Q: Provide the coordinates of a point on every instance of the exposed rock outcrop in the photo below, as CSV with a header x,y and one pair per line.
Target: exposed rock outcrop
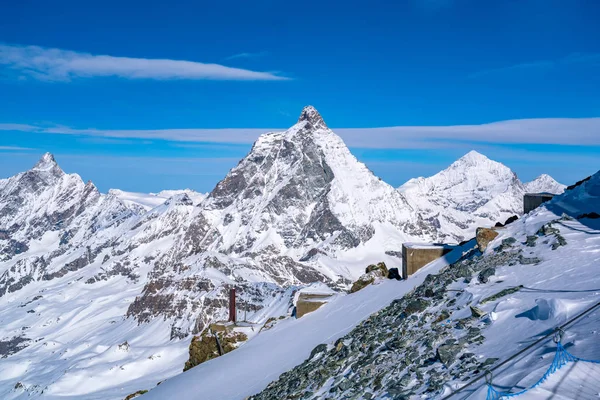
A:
x,y
204,347
484,236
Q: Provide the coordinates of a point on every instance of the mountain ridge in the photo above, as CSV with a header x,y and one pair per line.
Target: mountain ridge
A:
x,y
298,208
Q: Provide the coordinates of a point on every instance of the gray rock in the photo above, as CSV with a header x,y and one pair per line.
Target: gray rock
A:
x,y
484,275
447,353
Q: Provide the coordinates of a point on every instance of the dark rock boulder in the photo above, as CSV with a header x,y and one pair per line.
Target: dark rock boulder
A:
x,y
393,273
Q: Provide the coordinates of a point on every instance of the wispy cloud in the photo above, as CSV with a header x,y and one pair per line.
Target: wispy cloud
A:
x,y
15,148
58,65
592,59
246,55
557,131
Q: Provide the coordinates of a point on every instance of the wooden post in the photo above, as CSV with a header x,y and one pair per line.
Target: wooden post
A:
x,y
232,311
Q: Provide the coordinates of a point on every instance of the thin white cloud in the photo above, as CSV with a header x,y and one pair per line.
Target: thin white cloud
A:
x,y
592,59
18,127
560,131
15,148
567,131
64,65
246,55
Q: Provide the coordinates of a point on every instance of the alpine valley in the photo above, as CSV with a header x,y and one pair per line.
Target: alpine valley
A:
x,y
100,294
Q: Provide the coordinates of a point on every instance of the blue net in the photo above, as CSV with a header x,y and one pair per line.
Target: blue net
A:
x,y
561,358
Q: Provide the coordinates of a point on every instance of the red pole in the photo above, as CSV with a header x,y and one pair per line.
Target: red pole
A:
x,y
232,316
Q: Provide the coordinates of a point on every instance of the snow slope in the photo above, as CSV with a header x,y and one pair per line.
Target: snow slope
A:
x,y
271,353
539,272
562,286
515,320
578,380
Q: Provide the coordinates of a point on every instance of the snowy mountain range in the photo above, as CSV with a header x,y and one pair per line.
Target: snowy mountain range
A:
x,y
152,269
443,328
473,191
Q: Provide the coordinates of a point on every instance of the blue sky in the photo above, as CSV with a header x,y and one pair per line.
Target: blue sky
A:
x,y
133,94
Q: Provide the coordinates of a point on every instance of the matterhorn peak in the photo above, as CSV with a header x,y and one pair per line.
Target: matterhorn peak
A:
x,y
47,163
311,115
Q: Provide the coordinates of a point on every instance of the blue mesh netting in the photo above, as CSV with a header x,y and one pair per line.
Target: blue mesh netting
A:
x,y
561,357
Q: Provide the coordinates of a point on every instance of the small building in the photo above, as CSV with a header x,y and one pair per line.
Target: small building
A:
x,y
531,201
416,255
309,302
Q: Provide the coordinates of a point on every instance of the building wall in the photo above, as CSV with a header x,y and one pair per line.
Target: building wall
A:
x,y
308,302
413,259
531,201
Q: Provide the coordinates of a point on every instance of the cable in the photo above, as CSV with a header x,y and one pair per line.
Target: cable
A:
x,y
562,327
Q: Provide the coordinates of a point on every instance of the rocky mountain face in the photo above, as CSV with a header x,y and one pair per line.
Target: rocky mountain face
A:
x,y
302,189
296,202
474,191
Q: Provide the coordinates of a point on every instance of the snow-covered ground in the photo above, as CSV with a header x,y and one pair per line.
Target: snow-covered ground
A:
x,y
254,365
577,380
559,274
564,284
560,287
83,345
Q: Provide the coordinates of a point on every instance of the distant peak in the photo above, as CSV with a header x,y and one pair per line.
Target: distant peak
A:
x,y
545,177
312,116
474,156
474,159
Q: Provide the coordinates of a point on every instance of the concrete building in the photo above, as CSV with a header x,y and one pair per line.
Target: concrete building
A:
x,y
531,201
309,302
416,255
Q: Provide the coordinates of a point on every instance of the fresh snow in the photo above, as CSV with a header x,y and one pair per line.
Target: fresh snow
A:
x,y
564,284
254,365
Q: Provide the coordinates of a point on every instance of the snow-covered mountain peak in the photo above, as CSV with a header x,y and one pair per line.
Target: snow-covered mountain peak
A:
x,y
544,183
46,160
478,160
47,163
473,172
311,115
473,191
302,189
